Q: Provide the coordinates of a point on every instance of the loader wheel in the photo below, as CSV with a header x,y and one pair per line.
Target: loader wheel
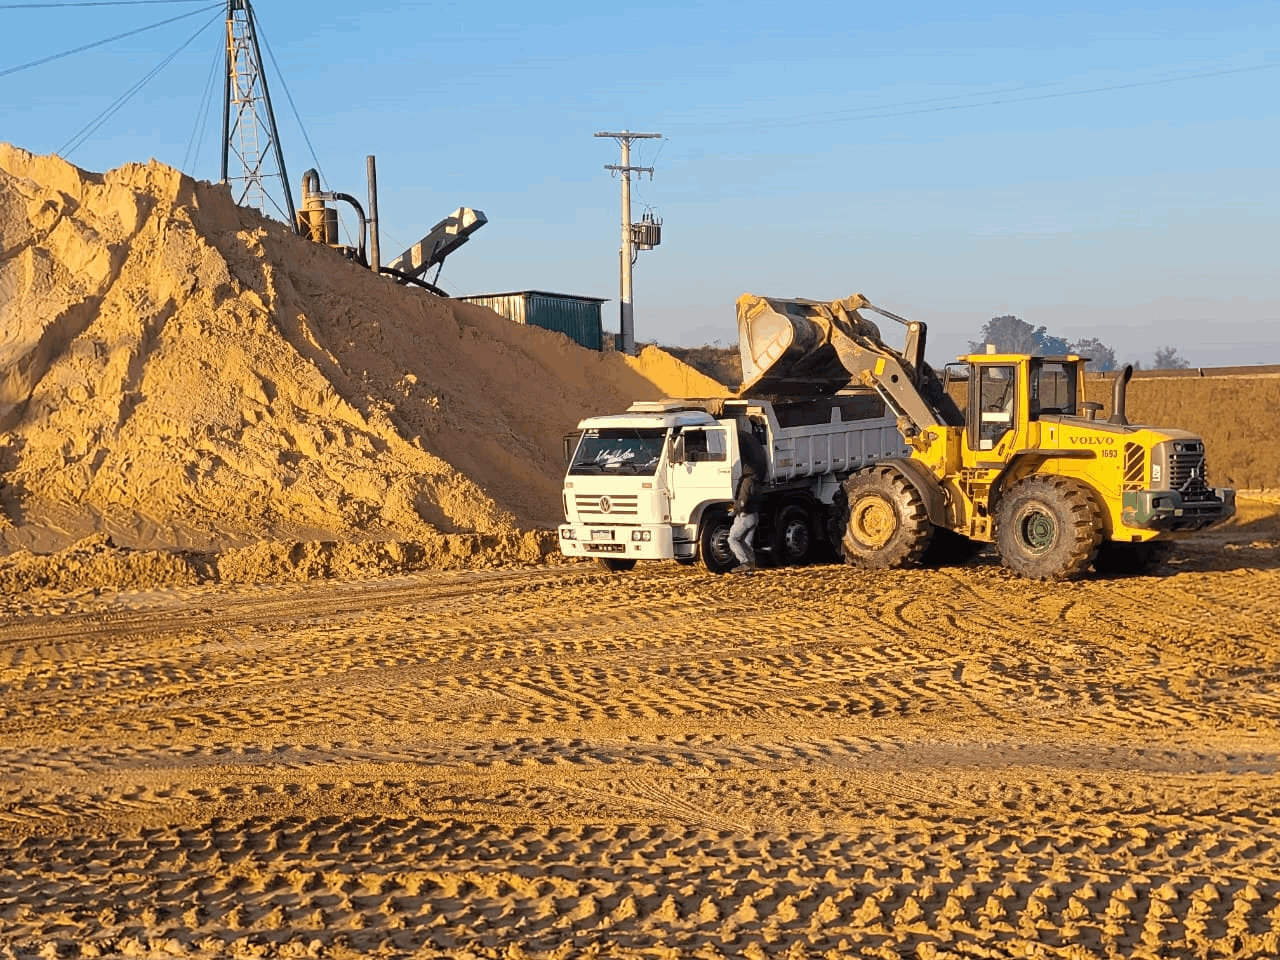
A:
x,y
1048,528
887,525
616,564
793,537
713,542
1132,558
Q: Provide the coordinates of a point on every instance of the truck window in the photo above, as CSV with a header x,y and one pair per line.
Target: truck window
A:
x,y
702,445
1053,388
619,450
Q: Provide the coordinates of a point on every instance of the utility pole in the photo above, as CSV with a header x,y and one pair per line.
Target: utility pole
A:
x,y
649,238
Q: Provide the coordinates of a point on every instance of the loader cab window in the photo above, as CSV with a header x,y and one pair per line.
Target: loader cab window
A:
x,y
1053,388
991,415
955,381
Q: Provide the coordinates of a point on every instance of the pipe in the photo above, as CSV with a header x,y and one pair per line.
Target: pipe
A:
x,y
302,223
364,222
1118,391
375,261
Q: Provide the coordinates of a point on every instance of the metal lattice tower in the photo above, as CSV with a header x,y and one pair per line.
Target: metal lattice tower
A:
x,y
248,122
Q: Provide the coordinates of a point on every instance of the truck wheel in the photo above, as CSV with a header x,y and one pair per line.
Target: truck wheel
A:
x,y
1132,558
1048,528
887,525
713,542
616,564
793,536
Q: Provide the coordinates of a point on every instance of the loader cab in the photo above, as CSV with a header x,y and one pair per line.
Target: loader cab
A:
x,y
1001,393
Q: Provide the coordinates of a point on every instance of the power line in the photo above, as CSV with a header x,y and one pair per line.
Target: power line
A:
x,y
99,43
202,116
864,113
96,123
293,106
91,3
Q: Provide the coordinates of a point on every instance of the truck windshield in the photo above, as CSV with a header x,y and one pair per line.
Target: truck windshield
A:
x,y
619,450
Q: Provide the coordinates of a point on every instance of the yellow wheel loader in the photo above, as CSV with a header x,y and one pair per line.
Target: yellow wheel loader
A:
x,y
1004,449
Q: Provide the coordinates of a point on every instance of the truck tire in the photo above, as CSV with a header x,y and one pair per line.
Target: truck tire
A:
x,y
1132,558
616,564
886,524
1048,528
793,537
713,542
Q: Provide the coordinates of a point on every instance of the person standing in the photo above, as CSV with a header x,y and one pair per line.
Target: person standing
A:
x,y
746,517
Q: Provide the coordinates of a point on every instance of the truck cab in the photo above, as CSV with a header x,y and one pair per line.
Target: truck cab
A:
x,y
639,483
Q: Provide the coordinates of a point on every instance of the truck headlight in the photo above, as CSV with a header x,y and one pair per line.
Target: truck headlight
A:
x,y
638,535
569,533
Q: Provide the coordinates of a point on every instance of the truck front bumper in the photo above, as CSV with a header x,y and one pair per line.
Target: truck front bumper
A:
x,y
646,542
1167,510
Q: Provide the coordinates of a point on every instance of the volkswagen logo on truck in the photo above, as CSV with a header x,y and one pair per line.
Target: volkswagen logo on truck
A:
x,y
605,505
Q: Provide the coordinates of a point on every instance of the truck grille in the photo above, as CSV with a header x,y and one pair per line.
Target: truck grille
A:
x,y
591,506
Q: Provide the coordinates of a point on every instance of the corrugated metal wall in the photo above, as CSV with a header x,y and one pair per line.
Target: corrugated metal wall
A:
x,y
577,318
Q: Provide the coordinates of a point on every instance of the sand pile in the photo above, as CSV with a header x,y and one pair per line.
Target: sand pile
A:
x,y
176,371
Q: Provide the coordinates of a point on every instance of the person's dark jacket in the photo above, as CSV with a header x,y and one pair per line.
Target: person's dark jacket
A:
x,y
748,498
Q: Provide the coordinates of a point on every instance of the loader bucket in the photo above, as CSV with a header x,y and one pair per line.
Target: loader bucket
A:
x,y
786,345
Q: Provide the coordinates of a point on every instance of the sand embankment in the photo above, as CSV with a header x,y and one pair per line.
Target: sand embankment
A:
x,y
1234,413
180,372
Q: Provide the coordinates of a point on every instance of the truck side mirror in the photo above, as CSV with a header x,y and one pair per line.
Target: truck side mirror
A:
x,y
570,445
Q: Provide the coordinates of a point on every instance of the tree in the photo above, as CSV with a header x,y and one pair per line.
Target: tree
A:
x,y
1101,357
1008,334
1167,359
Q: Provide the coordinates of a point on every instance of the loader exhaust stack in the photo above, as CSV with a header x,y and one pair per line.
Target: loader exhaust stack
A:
x,y
1119,390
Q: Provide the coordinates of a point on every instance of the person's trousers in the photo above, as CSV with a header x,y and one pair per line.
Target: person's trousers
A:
x,y
741,534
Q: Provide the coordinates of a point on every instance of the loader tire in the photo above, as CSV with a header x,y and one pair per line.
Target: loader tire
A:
x,y
886,524
1048,528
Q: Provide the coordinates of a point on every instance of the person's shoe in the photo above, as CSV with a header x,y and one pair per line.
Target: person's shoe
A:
x,y
746,569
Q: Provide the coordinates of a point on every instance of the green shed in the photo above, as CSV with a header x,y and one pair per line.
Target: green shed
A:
x,y
576,317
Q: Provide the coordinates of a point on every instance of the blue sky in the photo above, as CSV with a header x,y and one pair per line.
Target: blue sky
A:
x,y
1104,170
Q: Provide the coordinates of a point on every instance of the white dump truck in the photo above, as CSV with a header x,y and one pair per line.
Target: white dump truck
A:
x,y
656,482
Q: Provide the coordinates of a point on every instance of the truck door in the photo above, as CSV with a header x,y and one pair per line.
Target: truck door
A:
x,y
701,470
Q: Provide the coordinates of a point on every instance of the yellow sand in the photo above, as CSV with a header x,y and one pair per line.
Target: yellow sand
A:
x,y
179,371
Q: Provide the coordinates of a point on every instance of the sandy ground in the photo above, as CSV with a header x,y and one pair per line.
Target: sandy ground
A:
x,y
559,762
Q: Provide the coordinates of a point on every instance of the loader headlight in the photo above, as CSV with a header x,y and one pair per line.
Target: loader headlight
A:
x,y
639,535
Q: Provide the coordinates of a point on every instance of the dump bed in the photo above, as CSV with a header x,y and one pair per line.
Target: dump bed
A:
x,y
810,437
